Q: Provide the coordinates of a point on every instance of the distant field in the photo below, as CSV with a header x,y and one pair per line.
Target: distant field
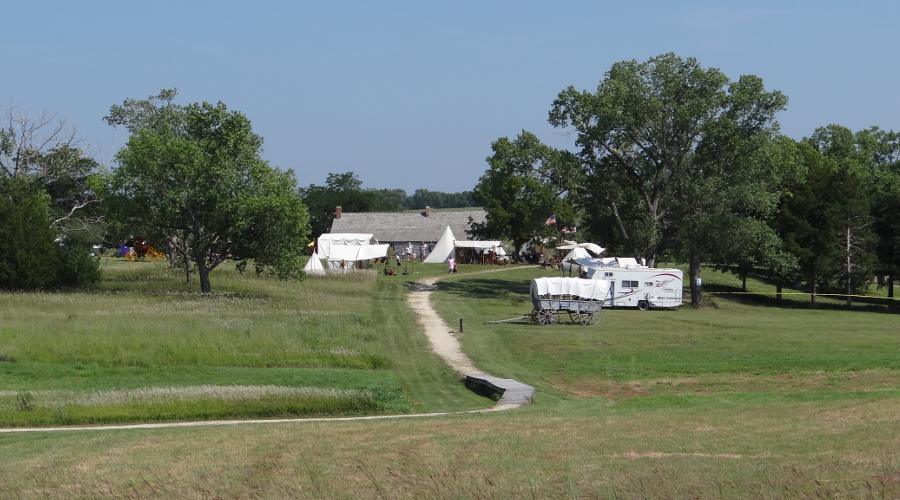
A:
x,y
257,347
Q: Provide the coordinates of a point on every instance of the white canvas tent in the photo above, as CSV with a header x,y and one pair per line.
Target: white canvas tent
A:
x,y
443,248
591,247
354,253
448,243
328,241
314,266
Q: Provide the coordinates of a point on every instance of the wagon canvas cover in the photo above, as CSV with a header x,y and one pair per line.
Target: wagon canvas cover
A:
x,y
584,289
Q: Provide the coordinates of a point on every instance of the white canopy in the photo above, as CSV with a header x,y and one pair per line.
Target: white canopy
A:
x,y
483,245
443,248
314,265
585,289
577,253
328,240
352,253
591,247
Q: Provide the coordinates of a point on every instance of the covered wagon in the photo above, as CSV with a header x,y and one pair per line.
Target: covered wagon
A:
x,y
581,299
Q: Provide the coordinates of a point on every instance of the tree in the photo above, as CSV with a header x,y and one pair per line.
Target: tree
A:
x,y
194,174
526,182
670,144
32,255
43,150
340,189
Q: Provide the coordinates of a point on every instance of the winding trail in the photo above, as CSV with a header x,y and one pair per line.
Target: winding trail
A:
x,y
443,342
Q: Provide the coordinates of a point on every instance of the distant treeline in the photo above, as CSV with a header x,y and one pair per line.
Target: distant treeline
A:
x,y
346,190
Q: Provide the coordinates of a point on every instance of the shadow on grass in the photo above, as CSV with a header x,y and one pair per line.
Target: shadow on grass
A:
x,y
862,304
485,288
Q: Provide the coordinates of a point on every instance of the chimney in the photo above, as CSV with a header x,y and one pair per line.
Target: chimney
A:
x,y
427,210
337,212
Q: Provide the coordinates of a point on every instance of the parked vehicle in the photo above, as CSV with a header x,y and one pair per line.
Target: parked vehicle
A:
x,y
640,287
580,299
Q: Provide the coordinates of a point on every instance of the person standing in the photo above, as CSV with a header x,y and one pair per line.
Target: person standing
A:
x,y
451,264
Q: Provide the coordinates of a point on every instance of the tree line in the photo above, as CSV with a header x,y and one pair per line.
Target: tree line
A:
x,y
676,161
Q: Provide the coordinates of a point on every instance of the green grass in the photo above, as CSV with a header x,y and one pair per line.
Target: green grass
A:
x,y
736,400
143,327
630,351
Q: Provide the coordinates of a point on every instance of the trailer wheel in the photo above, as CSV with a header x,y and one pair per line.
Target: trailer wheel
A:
x,y
588,319
643,305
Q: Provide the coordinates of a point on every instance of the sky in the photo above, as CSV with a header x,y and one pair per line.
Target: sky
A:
x,y
411,94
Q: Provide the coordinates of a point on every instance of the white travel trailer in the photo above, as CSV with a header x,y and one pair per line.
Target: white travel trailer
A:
x,y
640,287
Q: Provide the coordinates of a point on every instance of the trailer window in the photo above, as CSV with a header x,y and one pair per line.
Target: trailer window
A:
x,y
648,283
629,284
607,275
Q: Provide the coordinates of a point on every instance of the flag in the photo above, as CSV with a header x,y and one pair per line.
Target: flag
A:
x,y
551,220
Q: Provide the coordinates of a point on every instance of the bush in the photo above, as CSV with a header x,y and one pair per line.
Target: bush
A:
x,y
32,255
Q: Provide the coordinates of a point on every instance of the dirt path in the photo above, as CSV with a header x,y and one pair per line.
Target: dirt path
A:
x,y
445,344
442,340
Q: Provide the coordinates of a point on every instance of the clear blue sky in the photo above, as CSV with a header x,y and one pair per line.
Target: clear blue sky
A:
x,y
410,94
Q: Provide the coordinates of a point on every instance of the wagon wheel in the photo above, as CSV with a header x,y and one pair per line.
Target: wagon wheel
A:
x,y
575,317
546,317
588,318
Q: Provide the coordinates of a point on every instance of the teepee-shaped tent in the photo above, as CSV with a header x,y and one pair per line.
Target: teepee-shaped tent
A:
x,y
443,248
314,265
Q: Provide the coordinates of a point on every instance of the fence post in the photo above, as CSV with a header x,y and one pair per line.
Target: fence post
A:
x,y
460,325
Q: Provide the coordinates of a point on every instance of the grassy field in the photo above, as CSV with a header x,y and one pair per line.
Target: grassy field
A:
x,y
737,399
144,346
728,346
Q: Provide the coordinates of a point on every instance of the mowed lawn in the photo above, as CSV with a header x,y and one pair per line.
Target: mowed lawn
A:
x,y
144,346
732,401
728,347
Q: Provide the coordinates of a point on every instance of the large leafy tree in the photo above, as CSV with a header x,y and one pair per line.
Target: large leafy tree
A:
x,y
194,174
669,145
526,182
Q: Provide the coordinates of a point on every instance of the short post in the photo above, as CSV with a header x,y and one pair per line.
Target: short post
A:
x,y
460,325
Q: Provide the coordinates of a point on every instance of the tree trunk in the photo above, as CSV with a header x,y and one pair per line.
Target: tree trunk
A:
x,y
778,292
743,282
849,267
812,296
696,297
187,268
890,285
203,273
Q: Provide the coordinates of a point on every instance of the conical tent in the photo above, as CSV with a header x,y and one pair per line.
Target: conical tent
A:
x,y
314,265
443,248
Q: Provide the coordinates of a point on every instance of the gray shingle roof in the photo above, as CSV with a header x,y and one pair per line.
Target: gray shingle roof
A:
x,y
408,226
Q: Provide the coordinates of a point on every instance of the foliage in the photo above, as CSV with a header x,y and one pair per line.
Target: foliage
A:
x,y
672,147
43,150
193,175
422,198
526,182
32,255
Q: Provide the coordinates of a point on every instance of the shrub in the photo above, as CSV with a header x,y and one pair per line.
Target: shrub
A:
x,y
32,255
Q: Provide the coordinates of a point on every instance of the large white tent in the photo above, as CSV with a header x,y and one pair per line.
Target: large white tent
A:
x,y
353,253
328,241
314,265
